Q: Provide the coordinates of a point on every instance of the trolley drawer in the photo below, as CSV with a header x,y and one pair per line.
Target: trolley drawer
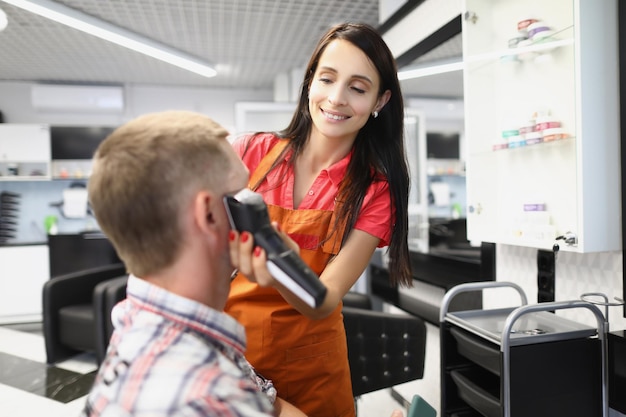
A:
x,y
477,350
479,389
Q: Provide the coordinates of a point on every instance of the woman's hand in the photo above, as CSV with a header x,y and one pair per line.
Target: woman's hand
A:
x,y
241,246
251,260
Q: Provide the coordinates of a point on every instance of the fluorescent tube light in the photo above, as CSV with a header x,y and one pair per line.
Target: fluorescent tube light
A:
x,y
426,70
3,20
120,36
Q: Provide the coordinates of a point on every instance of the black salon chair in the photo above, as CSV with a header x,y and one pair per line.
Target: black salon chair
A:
x,y
77,310
384,349
105,296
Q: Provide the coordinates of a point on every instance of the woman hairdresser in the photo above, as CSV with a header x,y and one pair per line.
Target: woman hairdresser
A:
x,y
336,182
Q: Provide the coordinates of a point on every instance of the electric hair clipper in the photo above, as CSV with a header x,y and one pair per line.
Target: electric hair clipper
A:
x,y
248,212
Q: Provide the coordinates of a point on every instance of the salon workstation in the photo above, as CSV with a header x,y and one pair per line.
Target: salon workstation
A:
x,y
512,132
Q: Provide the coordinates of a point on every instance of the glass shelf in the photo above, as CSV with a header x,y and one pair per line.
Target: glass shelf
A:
x,y
559,39
520,146
533,147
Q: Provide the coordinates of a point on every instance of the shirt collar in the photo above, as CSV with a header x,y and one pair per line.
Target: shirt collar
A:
x,y
336,172
204,320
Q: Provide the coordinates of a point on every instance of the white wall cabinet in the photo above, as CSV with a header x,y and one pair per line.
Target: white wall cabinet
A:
x,y
24,271
542,125
25,152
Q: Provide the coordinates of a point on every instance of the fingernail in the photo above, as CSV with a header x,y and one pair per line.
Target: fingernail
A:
x,y
231,235
245,236
257,251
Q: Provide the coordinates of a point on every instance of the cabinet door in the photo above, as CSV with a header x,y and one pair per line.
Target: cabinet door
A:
x,y
23,271
25,143
541,111
24,151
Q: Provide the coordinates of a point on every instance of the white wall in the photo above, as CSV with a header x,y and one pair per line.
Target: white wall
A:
x,y
219,104
575,274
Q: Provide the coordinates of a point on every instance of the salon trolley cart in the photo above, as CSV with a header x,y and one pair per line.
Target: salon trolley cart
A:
x,y
522,361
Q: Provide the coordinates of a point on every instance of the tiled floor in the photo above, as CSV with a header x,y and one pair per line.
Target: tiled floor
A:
x,y
29,387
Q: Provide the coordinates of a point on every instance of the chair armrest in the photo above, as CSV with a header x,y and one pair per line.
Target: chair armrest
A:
x,y
69,289
105,296
384,349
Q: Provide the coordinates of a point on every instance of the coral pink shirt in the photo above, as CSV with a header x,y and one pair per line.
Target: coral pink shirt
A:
x,y
375,217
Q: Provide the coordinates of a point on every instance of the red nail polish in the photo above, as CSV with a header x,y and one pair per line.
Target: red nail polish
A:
x,y
231,235
245,236
257,251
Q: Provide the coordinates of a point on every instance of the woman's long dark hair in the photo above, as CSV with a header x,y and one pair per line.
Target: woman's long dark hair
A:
x,y
378,148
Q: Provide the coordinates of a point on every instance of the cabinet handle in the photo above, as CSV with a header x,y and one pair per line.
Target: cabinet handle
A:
x,y
475,209
570,239
470,17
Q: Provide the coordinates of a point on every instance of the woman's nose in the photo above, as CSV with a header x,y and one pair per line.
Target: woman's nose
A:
x,y
337,97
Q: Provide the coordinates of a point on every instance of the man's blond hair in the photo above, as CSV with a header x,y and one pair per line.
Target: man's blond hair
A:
x,y
143,175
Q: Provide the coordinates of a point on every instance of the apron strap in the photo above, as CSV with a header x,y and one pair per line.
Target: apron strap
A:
x,y
266,163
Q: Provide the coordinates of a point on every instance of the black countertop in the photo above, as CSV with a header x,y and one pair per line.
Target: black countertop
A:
x,y
446,268
442,267
469,254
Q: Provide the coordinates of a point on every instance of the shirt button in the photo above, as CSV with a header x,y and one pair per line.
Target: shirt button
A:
x,y
311,192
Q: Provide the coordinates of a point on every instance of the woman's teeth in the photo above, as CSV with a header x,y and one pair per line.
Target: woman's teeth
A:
x,y
334,116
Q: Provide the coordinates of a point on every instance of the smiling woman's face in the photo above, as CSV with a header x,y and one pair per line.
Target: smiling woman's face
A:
x,y
343,92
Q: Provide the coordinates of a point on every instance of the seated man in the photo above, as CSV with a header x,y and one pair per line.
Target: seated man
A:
x,y
156,191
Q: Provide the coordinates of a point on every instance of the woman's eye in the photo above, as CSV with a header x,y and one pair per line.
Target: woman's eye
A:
x,y
325,80
359,90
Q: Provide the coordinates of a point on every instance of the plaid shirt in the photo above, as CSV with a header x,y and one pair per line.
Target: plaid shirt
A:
x,y
171,356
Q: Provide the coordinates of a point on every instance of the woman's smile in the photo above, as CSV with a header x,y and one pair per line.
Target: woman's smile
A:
x,y
334,116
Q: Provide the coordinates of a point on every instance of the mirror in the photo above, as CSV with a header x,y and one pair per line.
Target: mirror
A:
x,y
432,84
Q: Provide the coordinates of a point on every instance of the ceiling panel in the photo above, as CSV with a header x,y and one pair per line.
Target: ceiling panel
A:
x,y
248,41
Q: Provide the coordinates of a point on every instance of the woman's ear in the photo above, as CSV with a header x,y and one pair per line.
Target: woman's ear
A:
x,y
382,100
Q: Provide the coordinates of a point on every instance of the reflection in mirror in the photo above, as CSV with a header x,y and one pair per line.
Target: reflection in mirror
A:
x,y
433,86
437,199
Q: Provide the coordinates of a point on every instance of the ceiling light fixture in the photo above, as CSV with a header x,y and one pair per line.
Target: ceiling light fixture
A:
x,y
432,69
3,20
120,36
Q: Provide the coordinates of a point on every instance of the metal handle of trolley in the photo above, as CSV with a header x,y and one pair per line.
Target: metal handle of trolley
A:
x,y
602,326
476,286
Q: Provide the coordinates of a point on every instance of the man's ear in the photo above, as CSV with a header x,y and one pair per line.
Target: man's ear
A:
x,y
203,211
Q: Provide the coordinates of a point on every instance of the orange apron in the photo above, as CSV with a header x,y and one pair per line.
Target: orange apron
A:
x,y
306,359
